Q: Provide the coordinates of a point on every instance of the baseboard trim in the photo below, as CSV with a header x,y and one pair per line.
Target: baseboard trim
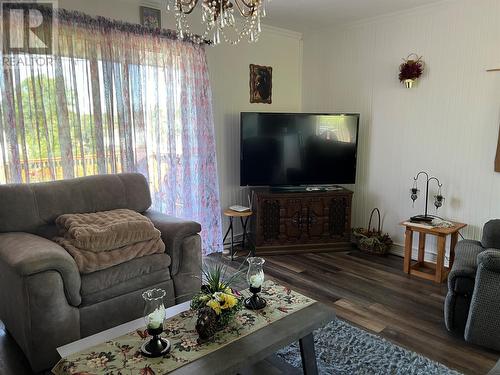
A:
x,y
430,256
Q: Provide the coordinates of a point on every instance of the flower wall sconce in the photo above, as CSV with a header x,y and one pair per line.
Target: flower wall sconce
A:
x,y
411,69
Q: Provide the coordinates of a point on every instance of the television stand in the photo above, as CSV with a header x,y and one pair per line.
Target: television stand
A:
x,y
288,221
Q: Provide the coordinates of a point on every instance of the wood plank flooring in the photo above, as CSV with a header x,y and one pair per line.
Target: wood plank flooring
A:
x,y
375,294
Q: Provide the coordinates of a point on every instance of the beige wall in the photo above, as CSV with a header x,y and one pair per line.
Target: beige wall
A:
x,y
229,69
447,125
229,72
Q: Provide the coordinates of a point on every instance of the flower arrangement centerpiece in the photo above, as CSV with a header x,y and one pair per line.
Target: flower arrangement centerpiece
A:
x,y
217,303
411,69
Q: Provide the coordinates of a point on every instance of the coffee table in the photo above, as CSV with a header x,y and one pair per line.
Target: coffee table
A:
x,y
243,352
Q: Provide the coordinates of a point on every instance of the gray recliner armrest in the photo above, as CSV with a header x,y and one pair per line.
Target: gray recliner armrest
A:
x,y
173,231
26,254
482,324
490,260
463,272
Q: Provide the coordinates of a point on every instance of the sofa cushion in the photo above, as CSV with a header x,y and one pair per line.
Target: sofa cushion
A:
x,y
135,274
463,273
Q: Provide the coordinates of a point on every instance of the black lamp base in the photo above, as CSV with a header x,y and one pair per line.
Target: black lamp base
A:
x,y
421,219
156,347
255,302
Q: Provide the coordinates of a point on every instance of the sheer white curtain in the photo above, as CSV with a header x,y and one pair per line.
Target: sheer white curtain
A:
x,y
115,97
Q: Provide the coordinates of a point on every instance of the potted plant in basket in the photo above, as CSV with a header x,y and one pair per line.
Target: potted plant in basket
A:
x,y
372,240
217,302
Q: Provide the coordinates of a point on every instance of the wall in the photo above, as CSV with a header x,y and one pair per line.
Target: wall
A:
x,y
229,69
229,72
447,125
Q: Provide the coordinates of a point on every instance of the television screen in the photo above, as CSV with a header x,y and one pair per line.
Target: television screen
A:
x,y
279,149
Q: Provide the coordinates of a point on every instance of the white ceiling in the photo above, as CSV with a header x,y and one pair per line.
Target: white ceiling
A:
x,y
302,15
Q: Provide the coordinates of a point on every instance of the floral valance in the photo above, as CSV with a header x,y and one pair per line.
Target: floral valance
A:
x,y
79,19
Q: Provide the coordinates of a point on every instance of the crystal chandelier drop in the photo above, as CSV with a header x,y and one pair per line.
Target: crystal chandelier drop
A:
x,y
219,19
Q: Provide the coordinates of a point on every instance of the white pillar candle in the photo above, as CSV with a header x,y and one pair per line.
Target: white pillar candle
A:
x,y
257,280
156,318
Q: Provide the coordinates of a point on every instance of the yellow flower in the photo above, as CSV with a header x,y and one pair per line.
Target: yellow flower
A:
x,y
214,305
227,301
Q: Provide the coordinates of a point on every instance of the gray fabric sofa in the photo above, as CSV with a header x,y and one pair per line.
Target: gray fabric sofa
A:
x,y
44,301
472,306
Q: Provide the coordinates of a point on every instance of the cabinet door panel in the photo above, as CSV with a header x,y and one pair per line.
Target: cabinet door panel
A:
x,y
338,217
293,219
316,219
270,219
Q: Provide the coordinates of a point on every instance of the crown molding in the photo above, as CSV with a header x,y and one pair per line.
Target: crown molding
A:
x,y
282,32
384,17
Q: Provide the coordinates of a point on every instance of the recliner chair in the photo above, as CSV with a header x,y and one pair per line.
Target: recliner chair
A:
x,y
472,306
44,301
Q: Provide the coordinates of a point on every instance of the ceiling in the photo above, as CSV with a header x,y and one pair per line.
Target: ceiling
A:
x,y
303,15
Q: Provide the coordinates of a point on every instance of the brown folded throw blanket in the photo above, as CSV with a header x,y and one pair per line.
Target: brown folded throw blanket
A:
x,y
104,239
89,261
107,230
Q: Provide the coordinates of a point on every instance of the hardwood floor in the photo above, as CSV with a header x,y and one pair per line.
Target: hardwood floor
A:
x,y
374,294
370,292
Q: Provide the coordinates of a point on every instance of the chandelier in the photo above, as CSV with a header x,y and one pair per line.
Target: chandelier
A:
x,y
219,19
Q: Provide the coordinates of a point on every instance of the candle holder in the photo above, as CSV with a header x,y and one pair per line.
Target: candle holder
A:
x,y
438,199
255,278
154,315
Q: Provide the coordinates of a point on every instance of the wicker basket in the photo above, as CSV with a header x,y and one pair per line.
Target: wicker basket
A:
x,y
372,240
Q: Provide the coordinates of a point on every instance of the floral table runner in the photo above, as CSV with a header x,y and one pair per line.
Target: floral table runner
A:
x,y
122,355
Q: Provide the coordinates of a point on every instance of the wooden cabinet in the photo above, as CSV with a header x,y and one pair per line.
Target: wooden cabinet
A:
x,y
301,221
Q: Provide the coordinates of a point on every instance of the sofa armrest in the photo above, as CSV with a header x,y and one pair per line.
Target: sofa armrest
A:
x,y
463,272
482,324
173,232
25,255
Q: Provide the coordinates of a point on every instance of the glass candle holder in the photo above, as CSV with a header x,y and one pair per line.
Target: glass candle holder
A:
x,y
255,278
438,201
154,315
414,194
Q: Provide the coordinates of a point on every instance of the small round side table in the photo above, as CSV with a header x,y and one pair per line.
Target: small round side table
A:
x,y
244,217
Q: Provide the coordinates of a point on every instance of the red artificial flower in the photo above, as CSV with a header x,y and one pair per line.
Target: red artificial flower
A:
x,y
411,69
147,371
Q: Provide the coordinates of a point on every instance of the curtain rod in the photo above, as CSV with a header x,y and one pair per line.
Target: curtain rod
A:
x,y
85,20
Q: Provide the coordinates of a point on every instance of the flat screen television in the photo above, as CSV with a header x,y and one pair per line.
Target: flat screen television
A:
x,y
285,149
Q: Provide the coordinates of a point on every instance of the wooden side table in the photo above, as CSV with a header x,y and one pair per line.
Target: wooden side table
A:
x,y
244,217
427,270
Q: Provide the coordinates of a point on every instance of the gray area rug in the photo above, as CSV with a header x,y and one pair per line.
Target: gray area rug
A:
x,y
342,349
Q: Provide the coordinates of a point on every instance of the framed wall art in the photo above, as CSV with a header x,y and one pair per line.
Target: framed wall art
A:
x,y
261,84
150,17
